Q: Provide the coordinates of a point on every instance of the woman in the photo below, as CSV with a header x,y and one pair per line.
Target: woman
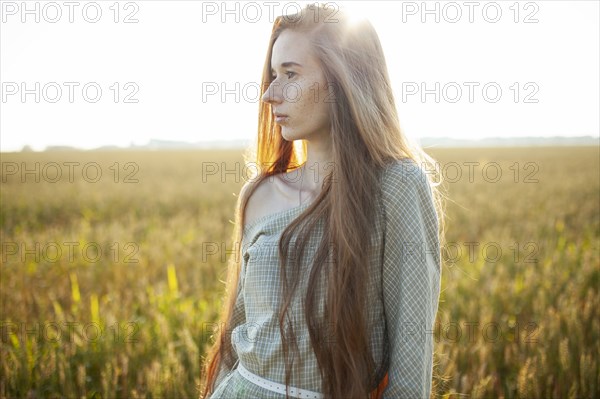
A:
x,y
336,286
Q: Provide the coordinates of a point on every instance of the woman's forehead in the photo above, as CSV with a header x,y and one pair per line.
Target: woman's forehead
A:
x,y
291,47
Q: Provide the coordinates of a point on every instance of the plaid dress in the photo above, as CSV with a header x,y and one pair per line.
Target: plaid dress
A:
x,y
403,291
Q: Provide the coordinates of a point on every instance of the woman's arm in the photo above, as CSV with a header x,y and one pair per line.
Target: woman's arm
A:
x,y
411,279
238,316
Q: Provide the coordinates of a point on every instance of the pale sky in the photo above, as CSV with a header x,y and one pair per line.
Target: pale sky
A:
x,y
177,49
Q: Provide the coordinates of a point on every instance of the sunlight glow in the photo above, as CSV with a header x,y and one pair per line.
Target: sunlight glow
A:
x,y
183,95
356,12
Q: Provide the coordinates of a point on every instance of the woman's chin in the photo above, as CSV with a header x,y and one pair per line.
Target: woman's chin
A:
x,y
287,135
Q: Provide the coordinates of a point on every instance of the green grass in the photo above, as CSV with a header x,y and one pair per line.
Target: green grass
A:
x,y
157,284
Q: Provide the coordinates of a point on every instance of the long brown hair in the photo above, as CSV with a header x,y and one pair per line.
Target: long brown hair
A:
x,y
365,137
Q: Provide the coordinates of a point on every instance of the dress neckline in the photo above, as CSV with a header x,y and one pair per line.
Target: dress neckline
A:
x,y
261,219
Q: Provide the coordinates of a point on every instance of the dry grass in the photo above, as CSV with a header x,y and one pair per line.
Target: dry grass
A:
x,y
529,321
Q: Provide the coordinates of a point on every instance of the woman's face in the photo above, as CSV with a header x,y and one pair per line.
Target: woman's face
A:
x,y
299,90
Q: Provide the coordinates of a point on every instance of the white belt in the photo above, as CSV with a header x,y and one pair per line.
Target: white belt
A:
x,y
276,387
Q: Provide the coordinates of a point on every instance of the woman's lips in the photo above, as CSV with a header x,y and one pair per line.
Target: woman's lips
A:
x,y
281,118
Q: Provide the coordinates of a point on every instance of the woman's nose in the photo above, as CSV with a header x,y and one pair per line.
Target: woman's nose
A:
x,y
272,94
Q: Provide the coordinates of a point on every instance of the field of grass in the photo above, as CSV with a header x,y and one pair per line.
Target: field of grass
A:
x,y
113,263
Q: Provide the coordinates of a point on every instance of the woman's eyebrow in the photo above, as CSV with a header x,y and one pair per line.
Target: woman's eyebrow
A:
x,y
288,64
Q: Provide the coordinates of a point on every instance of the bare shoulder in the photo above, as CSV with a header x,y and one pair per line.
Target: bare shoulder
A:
x,y
267,196
251,194
246,189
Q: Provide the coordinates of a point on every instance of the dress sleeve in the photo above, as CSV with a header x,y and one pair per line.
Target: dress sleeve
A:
x,y
238,316
411,279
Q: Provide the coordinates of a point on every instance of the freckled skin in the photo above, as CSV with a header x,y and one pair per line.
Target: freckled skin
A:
x,y
302,95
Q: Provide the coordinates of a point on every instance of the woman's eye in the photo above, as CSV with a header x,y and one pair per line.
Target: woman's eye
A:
x,y
287,73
